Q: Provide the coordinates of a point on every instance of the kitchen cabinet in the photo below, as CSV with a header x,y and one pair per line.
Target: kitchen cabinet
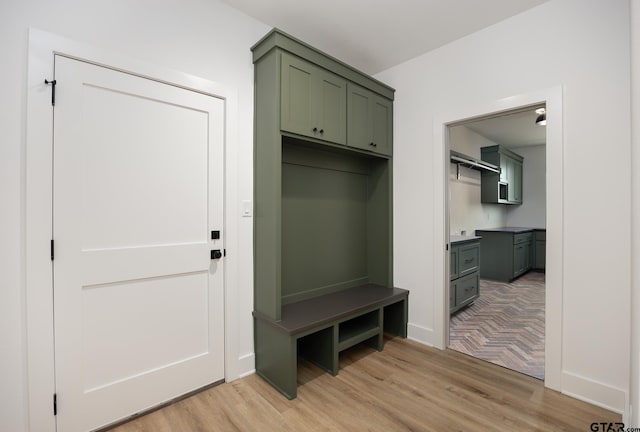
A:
x,y
540,250
522,253
504,187
313,101
464,285
369,120
323,268
507,253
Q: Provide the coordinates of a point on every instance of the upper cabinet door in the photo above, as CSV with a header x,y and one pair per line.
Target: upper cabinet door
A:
x,y
332,107
517,182
297,108
369,120
359,117
382,125
313,101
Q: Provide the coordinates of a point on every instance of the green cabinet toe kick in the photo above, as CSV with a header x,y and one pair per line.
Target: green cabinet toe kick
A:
x,y
319,329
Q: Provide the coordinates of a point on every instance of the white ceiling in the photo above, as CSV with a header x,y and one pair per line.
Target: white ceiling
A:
x,y
374,35
513,130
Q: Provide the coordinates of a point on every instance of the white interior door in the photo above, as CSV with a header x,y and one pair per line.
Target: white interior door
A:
x,y
138,188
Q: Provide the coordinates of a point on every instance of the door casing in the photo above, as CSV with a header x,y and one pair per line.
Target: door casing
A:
x,y
39,199
552,98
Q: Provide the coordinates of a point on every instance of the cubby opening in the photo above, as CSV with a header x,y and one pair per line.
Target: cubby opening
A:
x,y
394,318
317,348
336,220
358,329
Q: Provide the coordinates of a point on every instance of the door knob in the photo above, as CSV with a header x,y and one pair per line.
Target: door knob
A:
x,y
216,254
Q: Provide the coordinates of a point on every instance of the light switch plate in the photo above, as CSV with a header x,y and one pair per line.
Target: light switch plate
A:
x,y
247,208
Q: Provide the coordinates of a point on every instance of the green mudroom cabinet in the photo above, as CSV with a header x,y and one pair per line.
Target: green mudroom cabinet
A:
x,y
464,265
504,187
323,211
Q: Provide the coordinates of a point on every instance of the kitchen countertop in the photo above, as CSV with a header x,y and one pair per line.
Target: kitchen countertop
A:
x,y
514,230
460,239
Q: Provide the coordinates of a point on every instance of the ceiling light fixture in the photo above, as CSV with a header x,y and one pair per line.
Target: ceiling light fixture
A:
x,y
541,120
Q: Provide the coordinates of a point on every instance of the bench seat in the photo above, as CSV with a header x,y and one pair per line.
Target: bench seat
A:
x,y
319,328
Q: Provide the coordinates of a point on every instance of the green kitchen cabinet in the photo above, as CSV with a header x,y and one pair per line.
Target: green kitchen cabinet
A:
x,y
516,180
504,187
540,250
313,102
323,246
507,253
370,120
522,254
464,261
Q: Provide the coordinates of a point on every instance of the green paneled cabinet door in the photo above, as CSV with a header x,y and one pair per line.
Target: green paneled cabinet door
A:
x,y
521,258
510,176
464,274
369,120
313,101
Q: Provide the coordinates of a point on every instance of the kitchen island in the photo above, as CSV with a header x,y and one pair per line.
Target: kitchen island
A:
x,y
510,252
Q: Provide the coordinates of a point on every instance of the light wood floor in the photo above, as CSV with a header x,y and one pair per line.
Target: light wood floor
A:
x,y
406,387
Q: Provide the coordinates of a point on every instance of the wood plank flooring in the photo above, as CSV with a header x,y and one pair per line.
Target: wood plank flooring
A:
x,y
406,387
505,325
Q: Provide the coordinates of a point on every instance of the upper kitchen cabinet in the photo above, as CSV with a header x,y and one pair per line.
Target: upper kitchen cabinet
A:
x,y
314,101
504,187
370,120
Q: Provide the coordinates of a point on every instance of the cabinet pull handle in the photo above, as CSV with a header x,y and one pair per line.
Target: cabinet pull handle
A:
x,y
468,260
315,129
321,131
373,144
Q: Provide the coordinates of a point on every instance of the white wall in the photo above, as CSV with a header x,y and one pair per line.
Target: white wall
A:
x,y
583,47
532,212
466,211
204,38
635,185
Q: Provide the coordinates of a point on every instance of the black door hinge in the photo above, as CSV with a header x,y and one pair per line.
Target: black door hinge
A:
x,y
447,248
53,90
51,249
55,404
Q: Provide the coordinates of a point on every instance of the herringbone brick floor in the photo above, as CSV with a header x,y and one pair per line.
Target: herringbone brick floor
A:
x,y
505,325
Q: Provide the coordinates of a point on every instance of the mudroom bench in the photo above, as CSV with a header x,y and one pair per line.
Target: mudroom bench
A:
x,y
318,329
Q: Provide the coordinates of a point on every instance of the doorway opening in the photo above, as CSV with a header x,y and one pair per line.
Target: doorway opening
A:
x,y
497,231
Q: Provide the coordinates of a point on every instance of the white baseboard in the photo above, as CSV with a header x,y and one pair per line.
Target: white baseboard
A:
x,y
245,365
594,392
420,334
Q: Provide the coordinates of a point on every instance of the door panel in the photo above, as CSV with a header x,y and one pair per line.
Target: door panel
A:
x,y
172,329
138,186
124,209
298,108
382,125
359,117
333,102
